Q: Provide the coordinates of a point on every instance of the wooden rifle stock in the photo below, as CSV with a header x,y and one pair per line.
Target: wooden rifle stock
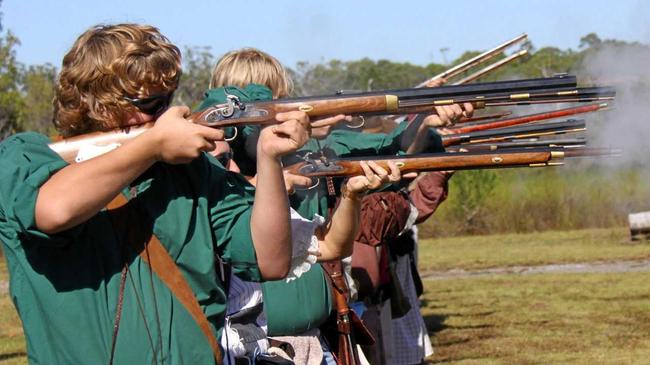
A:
x,y
265,112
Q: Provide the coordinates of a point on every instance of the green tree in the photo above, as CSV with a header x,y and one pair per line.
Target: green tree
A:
x,y
38,93
470,190
197,68
591,40
11,101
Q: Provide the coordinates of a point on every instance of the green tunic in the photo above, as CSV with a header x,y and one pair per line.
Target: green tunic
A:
x,y
65,286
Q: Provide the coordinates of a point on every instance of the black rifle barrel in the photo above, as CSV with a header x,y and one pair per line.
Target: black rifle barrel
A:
x,y
476,89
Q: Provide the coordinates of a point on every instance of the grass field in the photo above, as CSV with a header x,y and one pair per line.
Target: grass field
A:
x,y
537,319
509,319
540,319
12,342
479,252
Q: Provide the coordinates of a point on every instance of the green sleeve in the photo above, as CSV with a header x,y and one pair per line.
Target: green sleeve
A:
x,y
26,163
230,215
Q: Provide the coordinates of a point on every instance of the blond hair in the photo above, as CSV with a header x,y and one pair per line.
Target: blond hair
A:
x,y
251,66
107,63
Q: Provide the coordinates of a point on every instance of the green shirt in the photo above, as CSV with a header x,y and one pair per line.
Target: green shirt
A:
x,y
65,286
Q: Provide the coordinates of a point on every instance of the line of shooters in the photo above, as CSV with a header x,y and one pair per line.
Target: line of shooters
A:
x,y
258,228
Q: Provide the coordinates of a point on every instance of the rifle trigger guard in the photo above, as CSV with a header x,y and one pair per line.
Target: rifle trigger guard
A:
x,y
357,126
313,185
233,137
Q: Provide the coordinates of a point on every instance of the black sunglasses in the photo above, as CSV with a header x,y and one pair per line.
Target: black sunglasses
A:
x,y
152,105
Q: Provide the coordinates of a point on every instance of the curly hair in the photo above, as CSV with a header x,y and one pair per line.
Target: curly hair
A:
x,y
105,64
249,65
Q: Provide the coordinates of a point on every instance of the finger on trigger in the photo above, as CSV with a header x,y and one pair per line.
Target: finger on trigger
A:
x,y
212,134
327,121
303,181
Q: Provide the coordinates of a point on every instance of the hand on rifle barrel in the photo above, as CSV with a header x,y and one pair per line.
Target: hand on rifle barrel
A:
x,y
374,177
281,139
447,115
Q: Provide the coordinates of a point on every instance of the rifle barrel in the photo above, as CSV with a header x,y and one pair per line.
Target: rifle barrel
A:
x,y
456,70
590,99
528,157
533,95
480,73
432,162
530,143
593,152
529,118
517,132
484,117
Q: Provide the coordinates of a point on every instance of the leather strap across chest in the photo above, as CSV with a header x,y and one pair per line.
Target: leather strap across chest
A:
x,y
151,250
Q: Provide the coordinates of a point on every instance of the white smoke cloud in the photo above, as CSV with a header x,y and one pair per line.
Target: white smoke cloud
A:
x,y
627,125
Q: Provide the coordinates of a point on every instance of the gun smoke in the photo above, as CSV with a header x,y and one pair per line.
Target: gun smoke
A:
x,y
627,125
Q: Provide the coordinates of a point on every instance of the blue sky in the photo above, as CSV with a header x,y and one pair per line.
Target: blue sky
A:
x,y
313,31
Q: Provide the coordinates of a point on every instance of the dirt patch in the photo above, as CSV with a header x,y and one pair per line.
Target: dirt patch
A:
x,y
582,267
